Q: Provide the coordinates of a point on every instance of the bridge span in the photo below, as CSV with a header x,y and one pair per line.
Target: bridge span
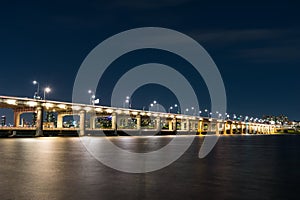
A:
x,y
94,119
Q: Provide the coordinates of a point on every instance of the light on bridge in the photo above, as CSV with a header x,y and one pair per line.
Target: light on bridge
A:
x,y
11,101
31,103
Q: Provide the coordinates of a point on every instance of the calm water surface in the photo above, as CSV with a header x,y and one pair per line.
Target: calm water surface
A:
x,y
239,167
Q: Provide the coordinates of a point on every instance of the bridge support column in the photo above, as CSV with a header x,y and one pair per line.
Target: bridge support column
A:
x,y
39,121
242,128
231,129
82,123
200,126
93,121
170,125
114,118
157,123
225,128
246,128
174,123
17,116
188,126
59,120
138,122
217,128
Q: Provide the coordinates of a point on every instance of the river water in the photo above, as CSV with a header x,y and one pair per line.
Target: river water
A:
x,y
239,167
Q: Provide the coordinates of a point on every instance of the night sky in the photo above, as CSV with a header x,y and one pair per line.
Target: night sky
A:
x,y
255,45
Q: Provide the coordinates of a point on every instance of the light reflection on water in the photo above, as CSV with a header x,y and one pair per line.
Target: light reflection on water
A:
x,y
239,167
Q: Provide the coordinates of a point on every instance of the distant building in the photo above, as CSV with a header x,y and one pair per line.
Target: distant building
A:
x,y
3,120
281,119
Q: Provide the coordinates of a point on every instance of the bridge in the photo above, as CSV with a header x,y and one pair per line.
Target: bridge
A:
x,y
94,119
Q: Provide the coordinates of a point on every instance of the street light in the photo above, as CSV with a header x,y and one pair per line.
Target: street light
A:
x,y
46,90
126,102
170,108
186,110
92,98
206,111
151,105
37,93
155,103
176,106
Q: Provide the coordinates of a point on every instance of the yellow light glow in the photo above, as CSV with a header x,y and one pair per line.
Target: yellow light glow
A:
x,y
88,109
31,103
76,107
98,109
109,110
48,105
11,101
134,113
62,106
119,111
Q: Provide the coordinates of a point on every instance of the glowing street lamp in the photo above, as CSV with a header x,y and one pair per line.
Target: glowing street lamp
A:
x,y
127,101
186,110
193,110
37,93
46,90
206,112
92,97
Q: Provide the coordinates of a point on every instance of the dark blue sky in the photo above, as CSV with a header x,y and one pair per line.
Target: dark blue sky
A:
x,y
255,45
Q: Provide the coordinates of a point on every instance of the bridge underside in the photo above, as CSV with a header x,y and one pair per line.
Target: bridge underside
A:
x,y
100,120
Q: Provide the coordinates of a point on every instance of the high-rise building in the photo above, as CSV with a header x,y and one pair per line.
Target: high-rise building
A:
x,y
3,120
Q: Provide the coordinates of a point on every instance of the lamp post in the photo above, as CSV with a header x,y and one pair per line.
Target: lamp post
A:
x,y
193,110
170,109
46,90
37,93
92,97
127,101
186,110
206,111
176,106
155,103
151,105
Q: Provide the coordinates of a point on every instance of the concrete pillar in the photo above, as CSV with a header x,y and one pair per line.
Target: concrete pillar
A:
x,y
170,125
39,121
246,129
231,129
17,116
174,123
225,128
218,128
138,122
93,121
114,119
200,126
242,128
188,125
60,117
82,123
157,123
